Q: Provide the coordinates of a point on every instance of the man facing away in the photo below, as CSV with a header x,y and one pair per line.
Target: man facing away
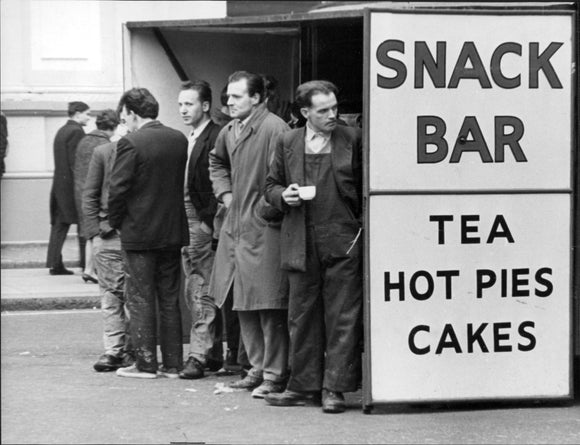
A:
x,y
321,249
248,252
108,259
205,345
146,205
63,212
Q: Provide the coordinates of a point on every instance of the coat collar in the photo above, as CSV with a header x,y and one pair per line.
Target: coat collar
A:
x,y
255,120
99,133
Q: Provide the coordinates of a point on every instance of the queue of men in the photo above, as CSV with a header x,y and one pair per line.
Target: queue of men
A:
x,y
288,264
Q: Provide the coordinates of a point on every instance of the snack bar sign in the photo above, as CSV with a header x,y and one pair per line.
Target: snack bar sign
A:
x,y
470,132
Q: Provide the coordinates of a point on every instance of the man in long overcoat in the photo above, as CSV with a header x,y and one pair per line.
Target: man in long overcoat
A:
x,y
321,249
63,211
248,253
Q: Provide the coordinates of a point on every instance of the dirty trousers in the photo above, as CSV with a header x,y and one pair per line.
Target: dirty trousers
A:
x,y
324,313
205,340
265,337
109,267
153,277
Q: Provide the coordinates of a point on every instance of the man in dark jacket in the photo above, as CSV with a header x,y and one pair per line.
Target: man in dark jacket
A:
x,y
146,205
63,211
205,345
321,249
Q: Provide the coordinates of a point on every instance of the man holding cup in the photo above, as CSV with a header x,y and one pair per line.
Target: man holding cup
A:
x,y
316,180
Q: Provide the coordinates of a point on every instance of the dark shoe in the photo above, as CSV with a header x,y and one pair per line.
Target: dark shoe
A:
x,y
60,271
293,398
107,363
249,382
86,278
128,360
170,373
134,373
193,369
213,365
333,402
268,387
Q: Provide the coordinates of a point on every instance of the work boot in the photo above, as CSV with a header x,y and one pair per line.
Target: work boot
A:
x,y
249,382
107,362
193,369
268,387
333,401
293,398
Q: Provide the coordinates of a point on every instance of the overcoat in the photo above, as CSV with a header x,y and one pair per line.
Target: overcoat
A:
x,y
62,197
248,252
84,152
288,168
146,189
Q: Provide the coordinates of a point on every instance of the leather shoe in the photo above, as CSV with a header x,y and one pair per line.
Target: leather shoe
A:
x,y
108,362
249,382
86,278
193,369
268,387
213,365
333,402
292,398
60,271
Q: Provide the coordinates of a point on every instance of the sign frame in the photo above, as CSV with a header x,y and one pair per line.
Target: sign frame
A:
x,y
368,402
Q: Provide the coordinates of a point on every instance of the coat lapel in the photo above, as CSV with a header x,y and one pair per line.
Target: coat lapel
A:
x,y
199,146
259,115
295,157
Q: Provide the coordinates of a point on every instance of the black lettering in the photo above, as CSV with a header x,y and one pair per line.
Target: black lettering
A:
x,y
496,73
511,140
478,144
495,231
436,138
435,69
485,279
541,62
400,286
465,229
440,219
498,337
517,282
543,281
469,52
412,346
451,343
448,274
523,333
473,337
413,285
385,60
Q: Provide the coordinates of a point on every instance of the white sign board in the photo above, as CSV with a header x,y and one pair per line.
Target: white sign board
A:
x,y
469,209
471,102
470,296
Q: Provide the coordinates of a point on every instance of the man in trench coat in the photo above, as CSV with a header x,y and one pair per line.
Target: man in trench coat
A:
x,y
63,211
321,249
248,253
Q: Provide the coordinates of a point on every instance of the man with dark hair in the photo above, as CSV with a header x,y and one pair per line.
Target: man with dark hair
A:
x,y
107,122
107,250
146,205
205,344
248,253
63,211
321,249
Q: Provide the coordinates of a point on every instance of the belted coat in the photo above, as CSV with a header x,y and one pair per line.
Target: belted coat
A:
x,y
248,252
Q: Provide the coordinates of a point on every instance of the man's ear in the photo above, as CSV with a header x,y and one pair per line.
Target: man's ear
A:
x,y
304,112
205,107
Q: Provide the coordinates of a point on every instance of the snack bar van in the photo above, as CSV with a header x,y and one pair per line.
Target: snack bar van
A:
x,y
469,114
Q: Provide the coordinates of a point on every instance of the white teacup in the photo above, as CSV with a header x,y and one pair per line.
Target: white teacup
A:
x,y
307,193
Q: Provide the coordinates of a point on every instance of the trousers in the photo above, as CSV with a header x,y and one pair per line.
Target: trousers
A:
x,y
109,266
153,279
325,313
58,232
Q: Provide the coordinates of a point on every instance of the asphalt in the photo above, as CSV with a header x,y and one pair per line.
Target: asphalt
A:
x,y
27,286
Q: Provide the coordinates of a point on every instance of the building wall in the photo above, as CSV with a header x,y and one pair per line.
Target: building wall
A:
x,y
53,52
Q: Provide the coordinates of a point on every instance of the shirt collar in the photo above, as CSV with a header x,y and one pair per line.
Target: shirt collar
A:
x,y
311,133
197,131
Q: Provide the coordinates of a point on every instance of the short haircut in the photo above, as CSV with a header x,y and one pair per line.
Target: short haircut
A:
x,y
270,85
305,91
255,82
224,96
202,87
76,107
140,101
107,120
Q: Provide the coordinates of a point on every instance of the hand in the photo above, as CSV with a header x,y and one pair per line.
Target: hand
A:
x,y
227,199
290,196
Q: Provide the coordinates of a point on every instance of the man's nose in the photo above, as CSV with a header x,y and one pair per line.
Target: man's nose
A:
x,y
332,113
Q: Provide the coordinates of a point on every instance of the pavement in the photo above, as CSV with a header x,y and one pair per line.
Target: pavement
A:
x,y
26,284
